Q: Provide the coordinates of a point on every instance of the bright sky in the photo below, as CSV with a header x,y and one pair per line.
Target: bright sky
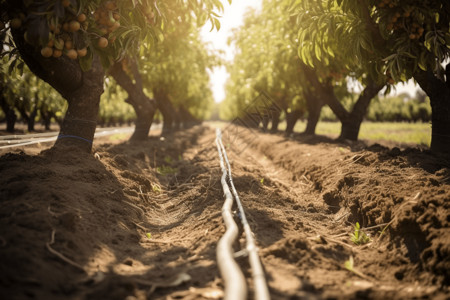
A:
x,y
232,18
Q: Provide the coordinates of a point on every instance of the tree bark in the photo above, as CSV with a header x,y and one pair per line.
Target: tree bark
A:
x,y
291,120
82,90
32,119
439,93
275,121
46,118
10,115
351,121
187,118
144,107
166,108
314,106
352,124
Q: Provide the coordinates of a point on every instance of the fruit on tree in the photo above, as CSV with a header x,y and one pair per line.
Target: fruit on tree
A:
x,y
81,18
47,52
57,53
72,54
74,26
102,42
82,52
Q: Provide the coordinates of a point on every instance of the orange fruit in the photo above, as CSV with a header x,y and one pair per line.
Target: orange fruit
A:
x,y
68,44
81,18
74,26
72,54
46,52
82,52
57,53
102,42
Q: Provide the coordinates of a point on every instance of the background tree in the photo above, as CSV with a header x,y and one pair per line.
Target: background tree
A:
x,y
176,74
69,43
394,41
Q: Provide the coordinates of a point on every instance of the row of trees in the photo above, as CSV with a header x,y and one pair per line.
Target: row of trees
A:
x,y
399,108
304,52
140,45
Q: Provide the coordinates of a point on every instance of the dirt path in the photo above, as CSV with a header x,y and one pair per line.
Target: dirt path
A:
x,y
141,221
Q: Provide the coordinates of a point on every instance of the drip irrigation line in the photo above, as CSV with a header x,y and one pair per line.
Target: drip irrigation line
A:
x,y
259,279
17,142
234,280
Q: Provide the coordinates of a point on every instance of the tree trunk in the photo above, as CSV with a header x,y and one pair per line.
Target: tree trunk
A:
x,y
439,93
32,119
82,90
144,107
291,120
46,118
351,122
187,118
314,106
10,115
275,121
167,110
11,119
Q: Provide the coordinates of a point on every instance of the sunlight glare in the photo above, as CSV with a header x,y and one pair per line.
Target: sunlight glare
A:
x,y
232,18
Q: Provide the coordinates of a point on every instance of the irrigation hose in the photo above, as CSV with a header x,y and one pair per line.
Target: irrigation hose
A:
x,y
234,280
259,278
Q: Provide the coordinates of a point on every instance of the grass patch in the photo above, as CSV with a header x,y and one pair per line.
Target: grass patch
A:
x,y
118,137
408,133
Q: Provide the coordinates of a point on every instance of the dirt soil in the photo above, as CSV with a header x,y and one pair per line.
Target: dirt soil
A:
x,y
142,220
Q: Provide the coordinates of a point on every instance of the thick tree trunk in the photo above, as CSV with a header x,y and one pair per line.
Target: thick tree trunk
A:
x,y
351,121
46,118
10,115
32,119
314,106
291,120
144,107
352,124
439,93
167,110
81,89
187,118
11,119
275,121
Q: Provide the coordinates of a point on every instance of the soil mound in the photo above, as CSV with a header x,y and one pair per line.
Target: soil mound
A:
x,y
142,220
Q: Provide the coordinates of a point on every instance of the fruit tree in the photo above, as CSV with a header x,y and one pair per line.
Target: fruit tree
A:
x,y
70,44
393,40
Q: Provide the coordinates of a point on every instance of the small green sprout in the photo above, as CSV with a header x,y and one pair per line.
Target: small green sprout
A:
x,y
148,235
262,181
156,188
166,170
359,237
349,264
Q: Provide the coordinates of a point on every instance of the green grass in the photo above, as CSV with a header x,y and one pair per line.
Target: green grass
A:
x,y
408,133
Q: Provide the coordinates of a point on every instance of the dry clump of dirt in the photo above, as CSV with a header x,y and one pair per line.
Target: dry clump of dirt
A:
x,y
142,220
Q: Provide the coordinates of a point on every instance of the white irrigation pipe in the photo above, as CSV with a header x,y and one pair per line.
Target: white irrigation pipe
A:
x,y
259,278
234,280
26,142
